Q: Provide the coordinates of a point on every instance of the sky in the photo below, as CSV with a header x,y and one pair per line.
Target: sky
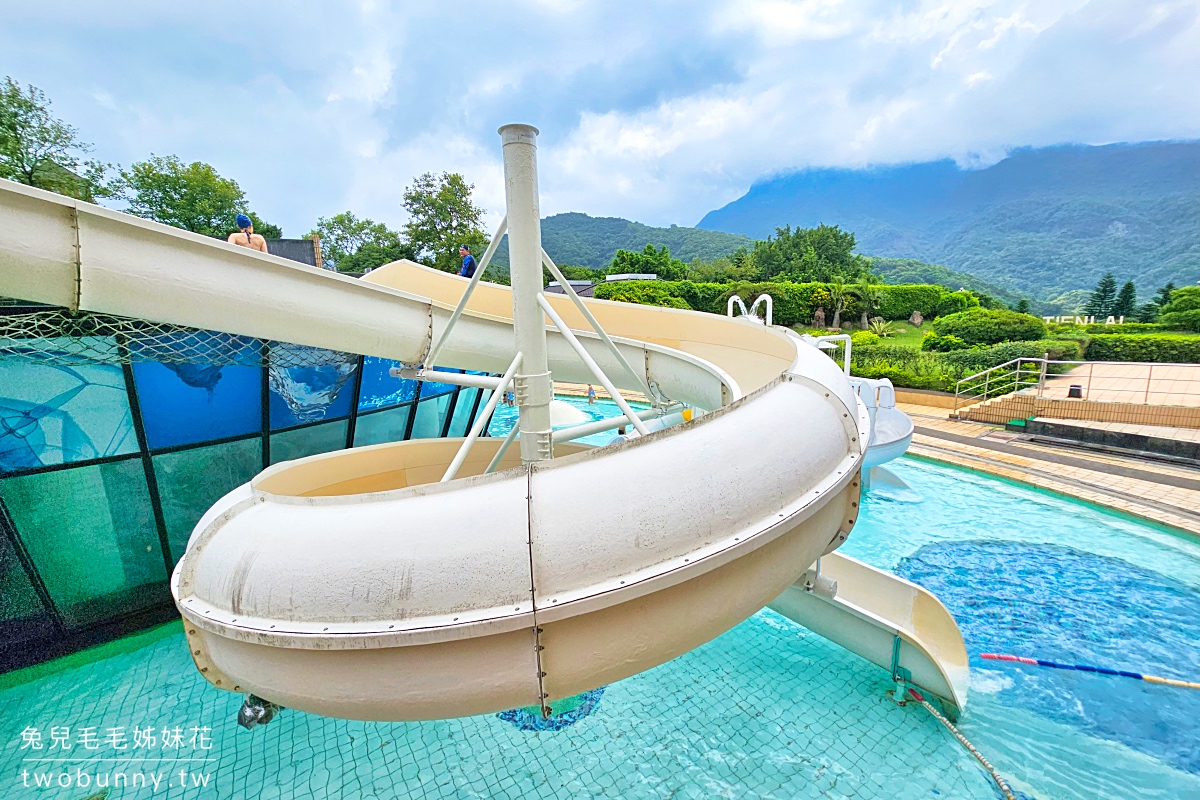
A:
x,y
653,111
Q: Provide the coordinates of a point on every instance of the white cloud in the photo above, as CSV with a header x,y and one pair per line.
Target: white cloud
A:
x,y
658,111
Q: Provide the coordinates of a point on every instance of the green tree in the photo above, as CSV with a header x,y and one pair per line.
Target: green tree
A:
x,y
189,196
1022,306
1164,294
39,150
1126,302
869,298
442,216
1103,296
810,254
652,260
839,293
350,244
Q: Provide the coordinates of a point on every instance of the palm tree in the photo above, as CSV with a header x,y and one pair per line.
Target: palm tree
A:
x,y
870,297
839,293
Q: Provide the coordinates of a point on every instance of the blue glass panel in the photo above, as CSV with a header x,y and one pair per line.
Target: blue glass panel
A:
x,y
58,414
461,422
301,442
190,481
429,389
381,426
186,403
91,535
379,389
431,416
312,394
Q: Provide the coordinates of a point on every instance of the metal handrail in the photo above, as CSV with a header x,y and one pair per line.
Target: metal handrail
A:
x,y
1006,378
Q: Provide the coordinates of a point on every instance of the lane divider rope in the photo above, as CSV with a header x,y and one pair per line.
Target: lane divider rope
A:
x,y
1000,782
1040,662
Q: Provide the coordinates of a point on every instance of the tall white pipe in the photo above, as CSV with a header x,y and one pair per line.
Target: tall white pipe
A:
x,y
533,388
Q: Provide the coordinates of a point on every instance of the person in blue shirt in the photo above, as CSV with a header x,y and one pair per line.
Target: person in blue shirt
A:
x,y
468,263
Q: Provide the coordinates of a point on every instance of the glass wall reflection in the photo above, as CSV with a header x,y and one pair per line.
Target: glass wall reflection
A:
x,y
105,468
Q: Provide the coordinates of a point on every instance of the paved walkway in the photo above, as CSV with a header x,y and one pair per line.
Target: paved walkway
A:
x,y
1163,492
1156,384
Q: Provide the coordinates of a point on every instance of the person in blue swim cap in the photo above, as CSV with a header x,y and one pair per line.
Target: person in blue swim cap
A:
x,y
247,237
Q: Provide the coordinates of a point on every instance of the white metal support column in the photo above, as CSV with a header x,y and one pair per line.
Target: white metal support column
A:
x,y
533,387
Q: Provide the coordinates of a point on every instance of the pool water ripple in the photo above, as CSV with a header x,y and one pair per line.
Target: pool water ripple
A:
x,y
1061,604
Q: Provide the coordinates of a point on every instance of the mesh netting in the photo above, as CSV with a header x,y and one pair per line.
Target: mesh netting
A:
x,y
56,336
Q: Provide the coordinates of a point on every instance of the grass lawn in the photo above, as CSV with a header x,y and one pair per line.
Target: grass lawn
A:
x,y
911,336
905,335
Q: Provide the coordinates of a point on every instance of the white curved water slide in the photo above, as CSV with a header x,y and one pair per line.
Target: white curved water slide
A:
x,y
441,578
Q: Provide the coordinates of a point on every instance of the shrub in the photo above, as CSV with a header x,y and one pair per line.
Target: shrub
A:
x,y
918,369
990,326
942,344
1180,320
863,339
1164,347
904,366
955,302
881,327
1185,299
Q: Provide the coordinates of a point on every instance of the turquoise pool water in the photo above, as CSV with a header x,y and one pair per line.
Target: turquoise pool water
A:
x,y
766,711
506,416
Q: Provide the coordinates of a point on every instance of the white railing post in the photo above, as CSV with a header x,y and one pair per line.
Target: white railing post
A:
x,y
481,420
534,389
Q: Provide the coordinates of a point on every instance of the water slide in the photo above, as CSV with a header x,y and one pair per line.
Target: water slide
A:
x,y
365,584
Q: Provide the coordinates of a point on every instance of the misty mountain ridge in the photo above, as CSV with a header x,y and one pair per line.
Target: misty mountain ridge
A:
x,y
1041,222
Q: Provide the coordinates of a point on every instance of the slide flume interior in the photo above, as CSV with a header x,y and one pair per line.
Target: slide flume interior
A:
x,y
353,584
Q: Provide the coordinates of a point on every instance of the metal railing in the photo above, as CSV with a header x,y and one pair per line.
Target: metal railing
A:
x,y
1128,382
1012,376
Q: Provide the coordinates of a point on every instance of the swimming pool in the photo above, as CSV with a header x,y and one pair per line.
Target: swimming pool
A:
x,y
766,711
505,417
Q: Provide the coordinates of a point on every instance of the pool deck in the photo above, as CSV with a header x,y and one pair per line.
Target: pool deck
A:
x,y
1156,490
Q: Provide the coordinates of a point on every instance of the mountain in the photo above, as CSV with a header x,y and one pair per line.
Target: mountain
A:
x,y
583,241
1042,222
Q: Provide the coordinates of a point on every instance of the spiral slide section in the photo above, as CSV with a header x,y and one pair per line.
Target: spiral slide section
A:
x,y
357,584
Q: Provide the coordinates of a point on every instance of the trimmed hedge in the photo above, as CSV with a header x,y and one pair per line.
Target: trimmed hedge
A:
x,y
1056,329
794,303
1165,347
648,295
990,326
901,300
